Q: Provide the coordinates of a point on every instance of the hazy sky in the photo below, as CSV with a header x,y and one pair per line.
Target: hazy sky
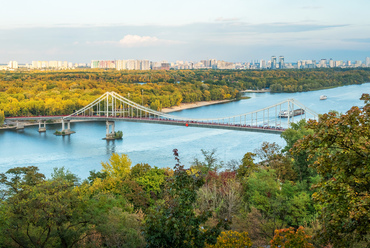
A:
x,y
233,30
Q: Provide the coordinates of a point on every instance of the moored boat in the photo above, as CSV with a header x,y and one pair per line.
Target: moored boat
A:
x,y
323,97
284,113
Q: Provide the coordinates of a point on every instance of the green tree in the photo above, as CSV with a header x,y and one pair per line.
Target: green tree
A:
x,y
47,214
174,223
340,152
121,229
279,204
248,166
300,159
210,162
63,174
152,180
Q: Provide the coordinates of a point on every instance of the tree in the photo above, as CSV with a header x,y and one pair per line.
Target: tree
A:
x,y
339,149
248,166
2,117
232,239
174,223
118,166
210,162
15,179
121,229
300,159
272,157
62,174
221,193
49,213
288,238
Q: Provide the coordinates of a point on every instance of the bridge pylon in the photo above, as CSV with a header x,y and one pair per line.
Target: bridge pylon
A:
x,y
65,131
110,135
42,126
19,126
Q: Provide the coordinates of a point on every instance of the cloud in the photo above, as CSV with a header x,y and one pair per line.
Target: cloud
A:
x,y
144,41
137,41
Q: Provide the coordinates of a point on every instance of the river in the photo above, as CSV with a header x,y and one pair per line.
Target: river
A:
x,y
153,143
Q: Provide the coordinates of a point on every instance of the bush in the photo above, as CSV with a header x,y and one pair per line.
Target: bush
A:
x,y
232,239
288,238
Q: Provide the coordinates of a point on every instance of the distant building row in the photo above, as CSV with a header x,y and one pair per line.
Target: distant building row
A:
x,y
131,64
55,65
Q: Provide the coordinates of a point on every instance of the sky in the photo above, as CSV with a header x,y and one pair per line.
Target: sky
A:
x,y
191,30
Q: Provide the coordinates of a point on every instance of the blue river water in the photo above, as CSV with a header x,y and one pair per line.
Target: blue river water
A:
x,y
153,143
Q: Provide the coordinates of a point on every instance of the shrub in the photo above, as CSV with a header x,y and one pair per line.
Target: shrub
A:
x,y
288,238
232,239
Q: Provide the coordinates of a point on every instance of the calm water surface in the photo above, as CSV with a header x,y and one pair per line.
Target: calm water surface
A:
x,y
153,143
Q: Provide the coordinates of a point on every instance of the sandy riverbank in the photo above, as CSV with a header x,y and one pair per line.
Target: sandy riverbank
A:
x,y
193,105
255,91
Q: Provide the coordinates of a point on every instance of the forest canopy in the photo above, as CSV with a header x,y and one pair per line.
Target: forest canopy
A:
x,y
61,92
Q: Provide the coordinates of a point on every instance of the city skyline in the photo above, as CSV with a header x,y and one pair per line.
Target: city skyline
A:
x,y
132,64
238,30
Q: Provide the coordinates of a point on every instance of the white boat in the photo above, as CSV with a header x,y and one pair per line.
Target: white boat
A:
x,y
323,97
284,113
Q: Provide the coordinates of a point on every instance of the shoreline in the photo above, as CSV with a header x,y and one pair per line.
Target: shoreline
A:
x,y
184,106
255,91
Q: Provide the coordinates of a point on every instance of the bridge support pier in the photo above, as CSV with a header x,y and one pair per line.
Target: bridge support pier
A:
x,y
109,134
42,126
68,126
19,126
64,130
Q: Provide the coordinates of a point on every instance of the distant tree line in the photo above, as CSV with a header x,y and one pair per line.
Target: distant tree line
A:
x,y
62,92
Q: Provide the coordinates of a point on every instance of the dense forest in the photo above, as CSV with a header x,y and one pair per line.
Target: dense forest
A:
x,y
312,193
62,92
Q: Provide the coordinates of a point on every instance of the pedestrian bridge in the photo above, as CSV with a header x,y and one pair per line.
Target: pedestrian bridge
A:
x,y
111,107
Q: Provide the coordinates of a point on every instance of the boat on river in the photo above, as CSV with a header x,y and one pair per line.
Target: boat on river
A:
x,y
285,114
323,97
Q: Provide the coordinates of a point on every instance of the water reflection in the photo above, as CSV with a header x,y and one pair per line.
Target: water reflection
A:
x,y
66,139
110,147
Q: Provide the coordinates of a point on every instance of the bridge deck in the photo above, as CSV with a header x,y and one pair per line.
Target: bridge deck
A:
x,y
236,127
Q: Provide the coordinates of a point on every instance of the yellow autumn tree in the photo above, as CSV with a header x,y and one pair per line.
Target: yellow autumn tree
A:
x,y
118,166
2,117
232,239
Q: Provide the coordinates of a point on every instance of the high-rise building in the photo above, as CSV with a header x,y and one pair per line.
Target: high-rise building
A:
x,y
94,64
145,65
331,63
263,64
323,63
13,65
273,62
281,62
367,61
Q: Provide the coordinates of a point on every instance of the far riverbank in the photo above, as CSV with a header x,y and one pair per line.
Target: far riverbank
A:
x,y
256,91
184,106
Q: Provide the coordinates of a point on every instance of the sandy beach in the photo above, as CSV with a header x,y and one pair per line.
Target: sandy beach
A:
x,y
192,105
255,91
